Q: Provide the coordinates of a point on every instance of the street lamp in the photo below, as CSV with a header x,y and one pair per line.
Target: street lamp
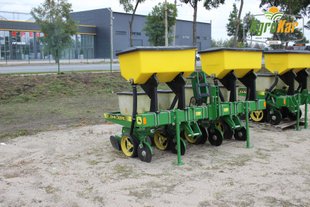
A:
x,y
111,38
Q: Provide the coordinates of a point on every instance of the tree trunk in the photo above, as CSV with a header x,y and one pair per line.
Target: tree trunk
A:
x,y
195,3
238,24
131,23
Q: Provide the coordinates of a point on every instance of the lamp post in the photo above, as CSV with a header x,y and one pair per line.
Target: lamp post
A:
x,y
111,39
166,24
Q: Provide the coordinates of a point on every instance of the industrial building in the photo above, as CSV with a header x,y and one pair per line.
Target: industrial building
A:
x,y
100,33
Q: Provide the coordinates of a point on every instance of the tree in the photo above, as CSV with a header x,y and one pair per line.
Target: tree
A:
x,y
55,22
130,7
232,21
155,25
292,7
238,24
307,26
208,4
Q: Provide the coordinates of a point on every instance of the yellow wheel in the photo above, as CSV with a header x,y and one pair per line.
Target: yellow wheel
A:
x,y
191,140
257,115
219,126
129,146
161,142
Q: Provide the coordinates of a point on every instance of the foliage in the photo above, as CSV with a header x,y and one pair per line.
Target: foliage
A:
x,y
232,22
55,22
131,6
208,4
222,43
307,26
155,25
293,7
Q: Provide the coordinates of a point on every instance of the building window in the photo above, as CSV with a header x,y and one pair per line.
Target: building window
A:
x,y
136,33
204,38
120,32
198,37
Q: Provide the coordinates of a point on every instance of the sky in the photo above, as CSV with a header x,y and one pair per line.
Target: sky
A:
x,y
218,17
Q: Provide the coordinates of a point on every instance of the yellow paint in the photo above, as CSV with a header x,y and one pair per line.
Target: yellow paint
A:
x,y
283,62
226,109
140,65
139,120
220,63
198,113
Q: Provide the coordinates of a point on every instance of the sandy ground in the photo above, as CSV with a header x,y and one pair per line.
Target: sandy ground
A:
x,y
79,167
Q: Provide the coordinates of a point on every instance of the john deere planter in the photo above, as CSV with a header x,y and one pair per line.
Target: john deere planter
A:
x,y
163,118
288,66
227,65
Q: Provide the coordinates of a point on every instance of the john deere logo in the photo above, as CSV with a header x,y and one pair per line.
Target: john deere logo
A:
x,y
274,14
276,25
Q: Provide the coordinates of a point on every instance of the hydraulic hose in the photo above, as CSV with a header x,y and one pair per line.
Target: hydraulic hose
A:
x,y
134,108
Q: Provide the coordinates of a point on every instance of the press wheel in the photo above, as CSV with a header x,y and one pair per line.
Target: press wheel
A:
x,y
215,137
161,142
275,117
144,153
225,129
257,116
240,134
129,146
174,146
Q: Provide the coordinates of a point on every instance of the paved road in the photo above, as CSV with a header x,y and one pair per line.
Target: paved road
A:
x,y
53,68
34,68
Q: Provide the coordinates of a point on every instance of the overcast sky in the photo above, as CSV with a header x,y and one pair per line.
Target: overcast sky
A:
x,y
219,16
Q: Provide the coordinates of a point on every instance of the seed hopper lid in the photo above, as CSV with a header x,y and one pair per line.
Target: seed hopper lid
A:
x,y
217,49
150,48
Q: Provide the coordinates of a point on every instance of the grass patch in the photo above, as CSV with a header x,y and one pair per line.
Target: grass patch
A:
x,y
29,104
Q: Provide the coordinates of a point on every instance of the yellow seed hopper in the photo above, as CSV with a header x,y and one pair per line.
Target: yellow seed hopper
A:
x,y
282,61
140,63
220,61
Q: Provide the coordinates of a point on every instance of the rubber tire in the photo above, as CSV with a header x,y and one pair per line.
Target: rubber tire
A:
x,y
196,139
276,117
240,134
168,146
173,146
135,144
215,137
115,143
204,135
285,112
228,132
144,153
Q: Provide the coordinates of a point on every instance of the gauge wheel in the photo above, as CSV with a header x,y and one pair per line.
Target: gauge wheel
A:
x,y
285,112
115,143
275,117
190,139
257,116
204,135
173,147
144,153
215,137
161,142
240,134
129,146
